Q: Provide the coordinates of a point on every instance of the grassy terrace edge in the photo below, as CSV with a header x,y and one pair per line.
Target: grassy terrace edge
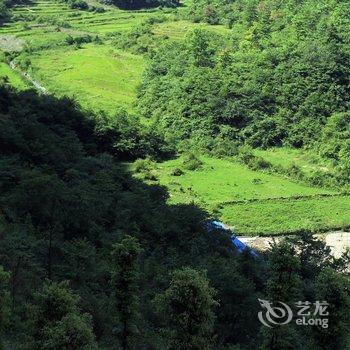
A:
x,y
289,216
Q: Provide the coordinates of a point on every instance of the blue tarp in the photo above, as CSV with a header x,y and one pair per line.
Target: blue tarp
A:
x,y
239,245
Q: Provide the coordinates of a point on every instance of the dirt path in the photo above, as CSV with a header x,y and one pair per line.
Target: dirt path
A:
x,y
338,241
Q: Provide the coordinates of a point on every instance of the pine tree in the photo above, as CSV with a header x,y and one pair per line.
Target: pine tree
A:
x,y
283,286
125,277
4,302
333,288
188,306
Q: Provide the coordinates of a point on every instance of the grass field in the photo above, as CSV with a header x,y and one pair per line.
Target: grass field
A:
x,y
254,202
98,76
220,181
177,30
288,216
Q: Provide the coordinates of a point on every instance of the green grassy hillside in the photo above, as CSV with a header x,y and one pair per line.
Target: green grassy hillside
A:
x,y
254,202
102,77
219,181
98,76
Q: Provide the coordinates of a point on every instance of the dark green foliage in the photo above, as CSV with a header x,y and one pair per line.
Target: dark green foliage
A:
x,y
283,285
334,289
177,172
65,199
56,321
335,144
282,78
247,157
188,306
125,277
137,4
70,40
128,138
4,303
284,281
77,4
140,40
4,12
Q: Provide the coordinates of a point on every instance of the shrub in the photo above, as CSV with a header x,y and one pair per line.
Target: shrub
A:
x,y
192,162
253,162
295,172
143,165
78,4
177,172
225,148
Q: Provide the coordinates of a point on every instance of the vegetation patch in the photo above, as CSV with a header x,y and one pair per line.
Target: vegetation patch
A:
x,y
253,201
288,216
98,77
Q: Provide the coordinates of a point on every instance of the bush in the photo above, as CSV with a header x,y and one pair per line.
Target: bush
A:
x,y
148,175
177,172
320,178
225,148
192,162
79,5
295,172
144,165
253,162
78,40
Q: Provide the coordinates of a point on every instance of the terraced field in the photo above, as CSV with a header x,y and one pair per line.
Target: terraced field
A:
x,y
97,75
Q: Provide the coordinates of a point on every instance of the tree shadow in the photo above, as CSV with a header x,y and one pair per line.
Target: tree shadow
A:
x,y
67,196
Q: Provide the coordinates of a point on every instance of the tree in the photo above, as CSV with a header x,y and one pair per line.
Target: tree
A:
x,y
56,321
4,12
188,305
4,302
334,289
283,285
125,277
314,255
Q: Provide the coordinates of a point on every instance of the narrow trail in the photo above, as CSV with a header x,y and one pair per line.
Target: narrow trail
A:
x,y
29,78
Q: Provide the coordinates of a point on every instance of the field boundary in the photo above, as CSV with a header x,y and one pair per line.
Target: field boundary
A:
x,y
321,230
280,199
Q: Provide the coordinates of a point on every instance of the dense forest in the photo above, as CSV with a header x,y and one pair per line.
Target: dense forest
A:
x,y
139,271
92,257
281,80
